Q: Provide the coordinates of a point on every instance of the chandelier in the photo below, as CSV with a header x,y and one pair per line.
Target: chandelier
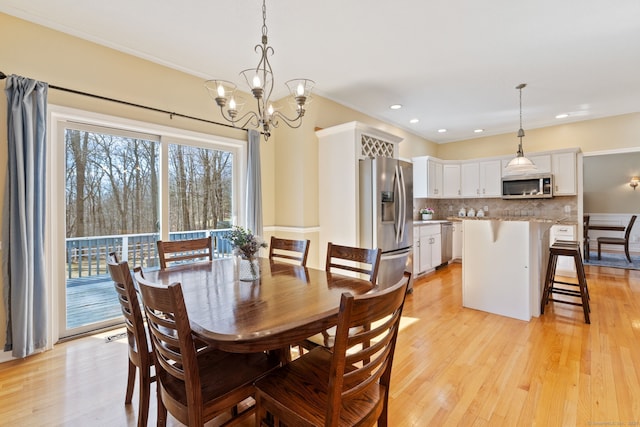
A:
x,y
520,164
260,83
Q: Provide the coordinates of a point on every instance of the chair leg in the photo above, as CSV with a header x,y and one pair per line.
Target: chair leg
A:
x,y
162,410
599,257
145,393
131,380
626,251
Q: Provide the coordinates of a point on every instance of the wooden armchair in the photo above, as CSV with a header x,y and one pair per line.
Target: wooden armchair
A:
x,y
140,352
195,386
345,386
184,250
286,249
622,241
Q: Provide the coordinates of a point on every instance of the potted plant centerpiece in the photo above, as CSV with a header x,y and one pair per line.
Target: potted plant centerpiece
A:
x,y
427,213
246,246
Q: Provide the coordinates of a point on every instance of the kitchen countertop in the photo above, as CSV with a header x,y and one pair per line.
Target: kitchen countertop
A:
x,y
429,221
561,220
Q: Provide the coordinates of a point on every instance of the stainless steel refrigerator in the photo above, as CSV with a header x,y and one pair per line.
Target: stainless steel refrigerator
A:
x,y
386,214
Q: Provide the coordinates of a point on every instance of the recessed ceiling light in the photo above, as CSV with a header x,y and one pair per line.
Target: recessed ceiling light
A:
x,y
478,130
442,130
412,121
562,116
396,107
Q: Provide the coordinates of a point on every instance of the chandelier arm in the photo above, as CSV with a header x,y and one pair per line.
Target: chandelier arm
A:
x,y
291,122
251,115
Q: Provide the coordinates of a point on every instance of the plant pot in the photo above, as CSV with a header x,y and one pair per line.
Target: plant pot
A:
x,y
427,217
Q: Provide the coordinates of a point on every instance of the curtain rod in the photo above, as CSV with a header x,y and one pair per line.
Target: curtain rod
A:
x,y
131,104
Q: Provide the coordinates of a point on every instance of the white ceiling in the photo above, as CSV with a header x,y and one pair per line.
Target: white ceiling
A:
x,y
452,64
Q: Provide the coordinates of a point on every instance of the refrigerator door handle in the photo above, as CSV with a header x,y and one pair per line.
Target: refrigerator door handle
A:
x,y
403,204
398,201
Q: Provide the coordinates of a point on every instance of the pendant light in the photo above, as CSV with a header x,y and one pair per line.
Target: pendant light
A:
x,y
520,164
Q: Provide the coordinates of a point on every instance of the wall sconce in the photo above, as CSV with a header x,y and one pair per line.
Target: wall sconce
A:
x,y
634,182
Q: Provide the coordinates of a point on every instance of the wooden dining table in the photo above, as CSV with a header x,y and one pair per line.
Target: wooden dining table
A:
x,y
284,306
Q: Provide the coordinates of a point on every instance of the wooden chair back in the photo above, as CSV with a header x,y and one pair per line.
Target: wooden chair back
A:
x,y
349,384
195,384
130,305
286,249
170,332
627,231
184,250
140,355
351,259
364,358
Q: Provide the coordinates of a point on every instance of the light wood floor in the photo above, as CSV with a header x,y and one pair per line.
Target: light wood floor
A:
x,y
453,366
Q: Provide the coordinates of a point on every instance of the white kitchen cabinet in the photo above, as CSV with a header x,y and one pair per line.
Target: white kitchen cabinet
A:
x,y
434,178
427,251
456,246
451,180
427,177
470,177
565,266
564,174
490,178
481,179
420,177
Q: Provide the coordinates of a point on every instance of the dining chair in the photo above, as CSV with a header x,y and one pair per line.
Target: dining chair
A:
x,y
287,249
347,385
195,386
140,351
586,243
171,251
622,241
344,258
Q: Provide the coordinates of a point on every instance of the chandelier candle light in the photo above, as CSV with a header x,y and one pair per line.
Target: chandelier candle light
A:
x,y
260,83
520,164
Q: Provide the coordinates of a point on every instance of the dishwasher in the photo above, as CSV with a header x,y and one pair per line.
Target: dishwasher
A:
x,y
446,232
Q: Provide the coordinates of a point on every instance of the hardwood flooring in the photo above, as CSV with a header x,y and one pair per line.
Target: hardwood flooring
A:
x,y
453,366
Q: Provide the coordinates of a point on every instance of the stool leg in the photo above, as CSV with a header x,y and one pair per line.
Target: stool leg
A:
x,y
551,267
582,282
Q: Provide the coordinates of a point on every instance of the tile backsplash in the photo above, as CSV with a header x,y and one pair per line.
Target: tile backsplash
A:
x,y
497,207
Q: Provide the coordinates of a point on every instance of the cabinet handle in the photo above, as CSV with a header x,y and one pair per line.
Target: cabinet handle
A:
x,y
556,188
477,191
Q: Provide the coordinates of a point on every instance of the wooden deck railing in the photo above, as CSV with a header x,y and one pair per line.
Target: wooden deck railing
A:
x,y
87,256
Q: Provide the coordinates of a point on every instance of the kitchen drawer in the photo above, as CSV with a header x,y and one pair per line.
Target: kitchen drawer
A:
x,y
429,230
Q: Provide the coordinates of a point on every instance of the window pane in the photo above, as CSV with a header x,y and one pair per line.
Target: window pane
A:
x,y
200,188
111,184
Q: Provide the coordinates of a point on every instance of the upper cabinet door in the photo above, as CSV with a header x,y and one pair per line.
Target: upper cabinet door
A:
x,y
564,174
434,184
420,177
490,178
470,176
451,180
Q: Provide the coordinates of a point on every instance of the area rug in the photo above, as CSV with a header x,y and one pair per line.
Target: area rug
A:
x,y
613,260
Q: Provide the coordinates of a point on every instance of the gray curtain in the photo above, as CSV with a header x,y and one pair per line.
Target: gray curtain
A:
x,y
23,217
254,188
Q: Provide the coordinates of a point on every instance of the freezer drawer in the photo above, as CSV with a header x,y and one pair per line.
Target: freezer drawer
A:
x,y
392,267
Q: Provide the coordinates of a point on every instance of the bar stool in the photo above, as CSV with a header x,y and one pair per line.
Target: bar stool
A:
x,y
569,248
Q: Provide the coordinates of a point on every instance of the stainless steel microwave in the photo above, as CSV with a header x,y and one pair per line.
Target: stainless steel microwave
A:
x,y
533,186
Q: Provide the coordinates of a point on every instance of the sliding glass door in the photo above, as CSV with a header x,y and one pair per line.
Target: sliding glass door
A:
x,y
125,190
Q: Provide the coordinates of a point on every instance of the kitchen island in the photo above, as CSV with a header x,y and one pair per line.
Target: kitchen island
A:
x,y
504,265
